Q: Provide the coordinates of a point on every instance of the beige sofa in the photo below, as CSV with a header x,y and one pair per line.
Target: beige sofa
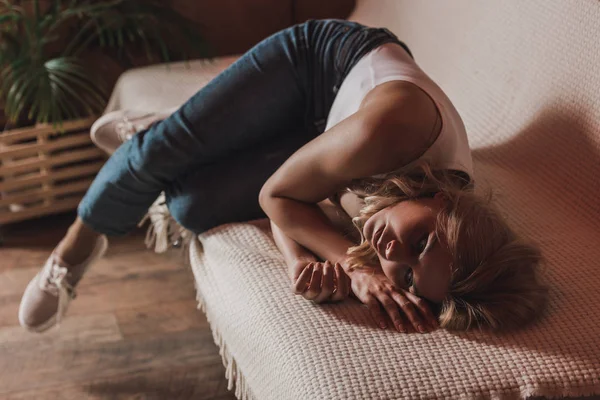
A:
x,y
525,76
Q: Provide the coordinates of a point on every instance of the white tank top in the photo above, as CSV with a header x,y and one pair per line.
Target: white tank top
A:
x,y
391,62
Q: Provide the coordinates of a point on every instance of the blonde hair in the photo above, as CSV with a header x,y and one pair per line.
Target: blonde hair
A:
x,y
494,282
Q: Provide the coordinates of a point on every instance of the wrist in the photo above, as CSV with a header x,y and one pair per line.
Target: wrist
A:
x,y
347,266
306,258
351,268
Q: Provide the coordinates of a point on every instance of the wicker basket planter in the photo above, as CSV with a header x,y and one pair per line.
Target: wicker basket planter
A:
x,y
46,170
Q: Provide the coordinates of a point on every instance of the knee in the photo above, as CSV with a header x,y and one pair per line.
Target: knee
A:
x,y
199,211
191,213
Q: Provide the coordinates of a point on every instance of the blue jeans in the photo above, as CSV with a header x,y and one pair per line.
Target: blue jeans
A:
x,y
212,155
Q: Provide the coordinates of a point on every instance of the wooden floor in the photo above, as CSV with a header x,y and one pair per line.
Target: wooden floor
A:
x,y
133,332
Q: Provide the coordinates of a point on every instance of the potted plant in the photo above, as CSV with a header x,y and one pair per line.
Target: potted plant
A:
x,y
52,82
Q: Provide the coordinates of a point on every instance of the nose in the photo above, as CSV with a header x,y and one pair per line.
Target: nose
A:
x,y
396,251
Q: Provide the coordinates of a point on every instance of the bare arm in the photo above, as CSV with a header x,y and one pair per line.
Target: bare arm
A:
x,y
376,139
357,147
310,277
292,251
314,232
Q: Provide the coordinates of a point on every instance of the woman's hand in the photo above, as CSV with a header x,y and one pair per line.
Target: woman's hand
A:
x,y
373,288
319,281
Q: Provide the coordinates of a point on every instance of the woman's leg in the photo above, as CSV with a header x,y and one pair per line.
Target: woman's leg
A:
x,y
258,97
287,81
227,191
255,99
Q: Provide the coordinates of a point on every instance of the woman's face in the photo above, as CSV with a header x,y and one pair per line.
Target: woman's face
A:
x,y
403,235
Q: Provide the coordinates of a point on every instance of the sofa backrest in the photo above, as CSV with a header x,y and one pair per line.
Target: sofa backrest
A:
x,y
525,77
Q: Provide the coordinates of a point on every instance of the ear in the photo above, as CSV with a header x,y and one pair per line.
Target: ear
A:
x,y
440,198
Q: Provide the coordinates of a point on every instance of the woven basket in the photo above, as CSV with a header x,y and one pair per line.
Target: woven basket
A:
x,y
46,169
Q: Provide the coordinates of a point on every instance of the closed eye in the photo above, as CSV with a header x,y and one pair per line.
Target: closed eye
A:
x,y
429,245
408,277
421,245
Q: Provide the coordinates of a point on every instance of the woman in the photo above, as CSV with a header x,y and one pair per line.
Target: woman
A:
x,y
324,109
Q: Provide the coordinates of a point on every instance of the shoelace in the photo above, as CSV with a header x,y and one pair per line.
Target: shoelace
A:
x,y
126,129
56,284
163,231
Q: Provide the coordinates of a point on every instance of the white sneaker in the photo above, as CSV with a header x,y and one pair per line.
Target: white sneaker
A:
x,y
49,293
116,127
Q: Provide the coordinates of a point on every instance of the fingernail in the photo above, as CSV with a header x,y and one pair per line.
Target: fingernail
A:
x,y
421,329
401,329
382,325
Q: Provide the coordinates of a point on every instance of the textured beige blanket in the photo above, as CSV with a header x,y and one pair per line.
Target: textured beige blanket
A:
x,y
279,346
526,78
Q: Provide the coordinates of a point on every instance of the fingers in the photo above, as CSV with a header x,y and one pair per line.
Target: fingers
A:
x,y
300,285
321,282
342,284
391,308
375,310
327,283
410,311
423,308
314,288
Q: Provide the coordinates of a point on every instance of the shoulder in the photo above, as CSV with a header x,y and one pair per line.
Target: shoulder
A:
x,y
402,116
383,135
400,102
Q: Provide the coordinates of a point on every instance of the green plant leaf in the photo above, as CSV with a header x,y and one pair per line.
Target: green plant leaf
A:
x,y
9,48
25,98
17,88
10,18
47,88
75,73
60,88
64,96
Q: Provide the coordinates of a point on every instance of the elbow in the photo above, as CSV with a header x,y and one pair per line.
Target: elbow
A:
x,y
265,196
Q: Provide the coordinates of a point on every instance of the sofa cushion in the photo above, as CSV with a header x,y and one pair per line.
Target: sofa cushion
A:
x,y
277,345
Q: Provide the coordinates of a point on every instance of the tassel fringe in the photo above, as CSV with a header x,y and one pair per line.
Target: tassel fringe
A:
x,y
235,378
164,233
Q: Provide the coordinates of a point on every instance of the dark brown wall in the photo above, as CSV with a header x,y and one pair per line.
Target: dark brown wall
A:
x,y
230,26
233,26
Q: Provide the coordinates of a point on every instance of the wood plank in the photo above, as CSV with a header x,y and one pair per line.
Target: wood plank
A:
x,y
158,319
34,179
133,332
15,135
96,328
14,281
23,150
28,243
34,195
104,290
131,280
198,382
81,361
30,212
34,163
